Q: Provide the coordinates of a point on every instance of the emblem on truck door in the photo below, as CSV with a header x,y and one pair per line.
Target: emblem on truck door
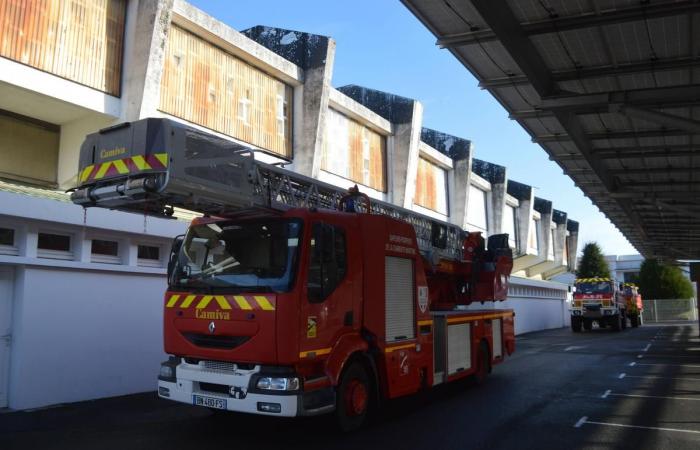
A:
x,y
212,327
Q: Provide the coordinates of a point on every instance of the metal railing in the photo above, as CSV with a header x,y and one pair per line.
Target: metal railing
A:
x,y
670,310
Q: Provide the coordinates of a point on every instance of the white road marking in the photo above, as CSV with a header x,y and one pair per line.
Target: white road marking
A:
x,y
672,365
653,396
606,394
622,375
580,422
640,356
663,378
574,347
607,424
646,349
632,364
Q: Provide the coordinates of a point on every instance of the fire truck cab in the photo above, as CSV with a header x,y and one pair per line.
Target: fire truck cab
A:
x,y
598,300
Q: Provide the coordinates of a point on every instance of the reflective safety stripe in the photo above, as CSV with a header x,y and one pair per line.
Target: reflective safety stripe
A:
x,y
163,158
264,303
223,303
140,162
242,302
399,347
102,170
121,166
188,301
173,300
204,301
315,353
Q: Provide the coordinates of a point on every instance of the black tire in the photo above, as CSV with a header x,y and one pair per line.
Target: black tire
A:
x,y
623,317
587,325
483,362
602,324
353,397
634,321
616,323
576,324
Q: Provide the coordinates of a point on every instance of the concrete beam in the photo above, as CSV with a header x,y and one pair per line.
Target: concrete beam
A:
x,y
147,27
526,199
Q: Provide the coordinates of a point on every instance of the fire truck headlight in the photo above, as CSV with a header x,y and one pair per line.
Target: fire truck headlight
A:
x,y
577,312
278,383
168,369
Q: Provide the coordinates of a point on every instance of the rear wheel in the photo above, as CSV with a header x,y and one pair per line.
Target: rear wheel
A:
x,y
587,325
634,321
353,397
576,324
623,320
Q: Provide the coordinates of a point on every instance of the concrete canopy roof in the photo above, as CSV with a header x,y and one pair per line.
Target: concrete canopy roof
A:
x,y
609,89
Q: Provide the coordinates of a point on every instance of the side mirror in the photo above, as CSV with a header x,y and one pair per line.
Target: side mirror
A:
x,y
174,252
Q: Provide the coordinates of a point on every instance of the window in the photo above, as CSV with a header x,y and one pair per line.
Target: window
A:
x,y
148,255
104,251
7,236
533,240
476,211
327,263
510,226
431,186
54,246
244,107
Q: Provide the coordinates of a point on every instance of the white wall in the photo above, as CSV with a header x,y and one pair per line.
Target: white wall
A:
x,y
84,334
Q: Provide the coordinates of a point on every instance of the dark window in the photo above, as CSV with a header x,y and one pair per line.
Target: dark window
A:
x,y
56,242
107,248
7,236
149,252
327,263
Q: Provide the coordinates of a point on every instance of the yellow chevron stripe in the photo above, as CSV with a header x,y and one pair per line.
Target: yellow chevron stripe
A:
x,y
163,158
121,166
204,301
86,172
242,302
223,303
264,303
314,353
102,170
140,162
172,301
188,301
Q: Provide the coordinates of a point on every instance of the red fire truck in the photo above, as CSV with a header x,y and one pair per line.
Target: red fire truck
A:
x,y
598,300
633,300
292,297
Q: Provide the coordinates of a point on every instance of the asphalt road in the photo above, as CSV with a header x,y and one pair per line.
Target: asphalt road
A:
x,y
639,389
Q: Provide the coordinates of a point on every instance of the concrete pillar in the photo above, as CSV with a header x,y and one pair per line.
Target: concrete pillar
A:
x,y
147,27
460,150
555,240
525,195
572,242
496,175
407,116
315,55
526,262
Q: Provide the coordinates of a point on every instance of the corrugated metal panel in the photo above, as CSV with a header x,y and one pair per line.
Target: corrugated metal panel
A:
x,y
400,308
459,353
80,40
354,151
205,85
496,326
431,186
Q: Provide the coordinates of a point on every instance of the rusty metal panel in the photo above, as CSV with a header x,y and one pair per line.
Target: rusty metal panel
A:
x,y
203,84
431,186
354,151
80,40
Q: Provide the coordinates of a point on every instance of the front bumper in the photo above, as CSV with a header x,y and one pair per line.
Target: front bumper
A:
x,y
198,380
598,313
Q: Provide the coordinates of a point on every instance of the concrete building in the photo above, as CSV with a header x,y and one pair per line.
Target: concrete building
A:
x,y
80,292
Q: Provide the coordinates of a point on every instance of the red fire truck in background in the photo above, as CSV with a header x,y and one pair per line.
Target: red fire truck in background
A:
x,y
634,303
292,297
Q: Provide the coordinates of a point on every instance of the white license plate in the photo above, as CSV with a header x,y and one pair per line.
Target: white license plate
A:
x,y
209,402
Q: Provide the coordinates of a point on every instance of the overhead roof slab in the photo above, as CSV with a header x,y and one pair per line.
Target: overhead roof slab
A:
x,y
610,90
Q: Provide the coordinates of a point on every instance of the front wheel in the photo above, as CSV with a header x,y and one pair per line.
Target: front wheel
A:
x,y
616,323
576,324
634,321
353,397
484,363
587,324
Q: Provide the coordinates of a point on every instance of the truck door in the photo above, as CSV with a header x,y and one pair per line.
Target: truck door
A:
x,y
327,311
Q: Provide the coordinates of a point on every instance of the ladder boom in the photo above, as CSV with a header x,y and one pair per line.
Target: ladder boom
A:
x,y
154,165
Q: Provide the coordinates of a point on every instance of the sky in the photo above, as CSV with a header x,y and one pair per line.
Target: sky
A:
x,y
381,45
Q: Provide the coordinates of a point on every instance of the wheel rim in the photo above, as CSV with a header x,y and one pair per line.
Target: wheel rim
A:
x,y
355,398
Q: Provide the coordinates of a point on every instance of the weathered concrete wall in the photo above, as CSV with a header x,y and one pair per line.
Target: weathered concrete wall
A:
x,y
526,196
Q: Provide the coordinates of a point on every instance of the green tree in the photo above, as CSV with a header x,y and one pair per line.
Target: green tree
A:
x,y
592,263
658,281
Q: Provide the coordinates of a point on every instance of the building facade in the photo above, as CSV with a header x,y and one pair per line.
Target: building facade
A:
x,y
80,309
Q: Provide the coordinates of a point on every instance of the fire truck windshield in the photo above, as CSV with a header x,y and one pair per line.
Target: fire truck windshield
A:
x,y
595,287
245,255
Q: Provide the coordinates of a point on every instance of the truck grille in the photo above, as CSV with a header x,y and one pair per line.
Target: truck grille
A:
x,y
219,365
209,341
215,388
